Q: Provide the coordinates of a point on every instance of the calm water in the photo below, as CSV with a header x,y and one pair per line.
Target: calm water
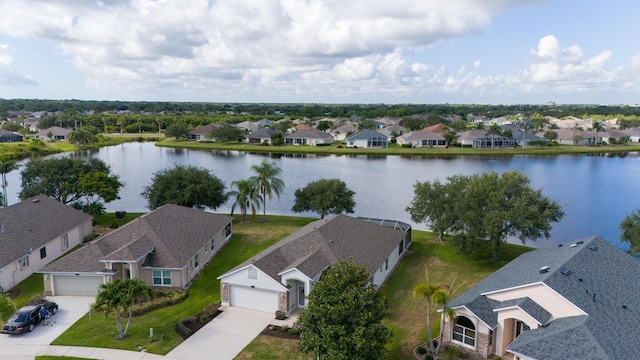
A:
x,y
596,191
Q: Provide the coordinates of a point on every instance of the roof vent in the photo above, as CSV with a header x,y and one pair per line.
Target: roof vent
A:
x,y
624,307
579,242
565,271
35,201
544,269
573,245
559,245
592,247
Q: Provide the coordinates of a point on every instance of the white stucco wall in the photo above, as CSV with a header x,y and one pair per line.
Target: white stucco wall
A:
x,y
544,296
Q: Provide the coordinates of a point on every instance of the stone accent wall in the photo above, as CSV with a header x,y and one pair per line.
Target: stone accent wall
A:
x,y
224,292
482,342
283,302
482,345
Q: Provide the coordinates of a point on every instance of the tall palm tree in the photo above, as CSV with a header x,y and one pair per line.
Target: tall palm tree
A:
x,y
267,181
246,197
597,127
426,291
6,166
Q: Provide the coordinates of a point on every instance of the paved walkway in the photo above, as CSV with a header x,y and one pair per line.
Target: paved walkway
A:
x,y
222,338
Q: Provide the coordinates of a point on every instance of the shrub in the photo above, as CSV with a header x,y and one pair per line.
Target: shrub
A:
x,y
120,214
323,144
451,353
294,331
211,309
114,224
204,318
280,315
407,145
37,298
182,329
422,350
429,357
90,237
496,357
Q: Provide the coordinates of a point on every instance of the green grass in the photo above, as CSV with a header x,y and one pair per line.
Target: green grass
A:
x,y
52,357
395,149
28,288
248,239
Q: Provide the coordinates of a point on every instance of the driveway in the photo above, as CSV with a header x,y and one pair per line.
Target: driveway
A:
x,y
71,308
224,337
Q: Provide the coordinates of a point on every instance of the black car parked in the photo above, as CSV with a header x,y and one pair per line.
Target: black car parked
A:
x,y
27,317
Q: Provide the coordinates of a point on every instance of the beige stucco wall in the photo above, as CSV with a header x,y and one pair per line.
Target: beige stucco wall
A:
x,y
544,296
482,346
506,327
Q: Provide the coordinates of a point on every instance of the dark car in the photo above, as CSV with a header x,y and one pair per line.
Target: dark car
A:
x,y
27,317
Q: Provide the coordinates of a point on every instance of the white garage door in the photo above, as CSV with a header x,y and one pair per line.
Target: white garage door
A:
x,y
252,298
72,285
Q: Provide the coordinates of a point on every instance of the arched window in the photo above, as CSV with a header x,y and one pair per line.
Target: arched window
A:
x,y
464,331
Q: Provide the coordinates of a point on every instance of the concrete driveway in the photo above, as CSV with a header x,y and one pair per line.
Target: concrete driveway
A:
x,y
224,337
71,308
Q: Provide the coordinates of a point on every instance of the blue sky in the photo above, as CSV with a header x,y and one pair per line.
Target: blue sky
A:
x,y
327,51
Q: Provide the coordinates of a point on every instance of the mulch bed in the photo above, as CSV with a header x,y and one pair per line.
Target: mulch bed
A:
x,y
197,325
277,331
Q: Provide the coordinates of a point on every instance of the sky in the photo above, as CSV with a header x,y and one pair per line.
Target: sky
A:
x,y
322,51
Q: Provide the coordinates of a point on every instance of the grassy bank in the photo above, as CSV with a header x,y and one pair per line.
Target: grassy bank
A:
x,y
395,149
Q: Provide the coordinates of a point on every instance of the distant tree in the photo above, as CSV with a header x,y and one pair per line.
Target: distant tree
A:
x,y
277,139
413,123
550,135
11,126
177,131
7,307
185,185
449,136
325,196
226,133
246,197
366,124
284,125
596,127
69,179
82,138
117,298
343,317
459,125
267,181
630,227
324,125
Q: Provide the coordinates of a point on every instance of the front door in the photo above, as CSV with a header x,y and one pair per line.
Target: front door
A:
x,y
301,296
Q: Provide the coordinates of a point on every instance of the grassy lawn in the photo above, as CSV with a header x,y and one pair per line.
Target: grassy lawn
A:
x,y
395,149
248,239
52,357
406,317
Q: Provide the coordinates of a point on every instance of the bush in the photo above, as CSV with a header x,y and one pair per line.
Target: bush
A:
x,y
211,309
37,298
422,350
407,146
451,353
204,318
161,299
323,144
496,357
294,331
120,214
429,357
90,237
114,224
182,329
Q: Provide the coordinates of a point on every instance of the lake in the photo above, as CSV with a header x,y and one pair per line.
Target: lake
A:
x,y
596,192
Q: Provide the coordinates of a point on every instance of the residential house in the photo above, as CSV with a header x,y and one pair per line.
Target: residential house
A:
x,y
521,137
633,134
614,136
262,136
202,133
262,123
8,136
439,128
422,138
341,132
281,277
54,133
302,126
393,131
308,137
466,138
578,300
572,136
246,126
167,247
33,233
367,139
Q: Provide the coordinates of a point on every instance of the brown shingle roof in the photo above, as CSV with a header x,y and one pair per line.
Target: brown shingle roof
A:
x,y
34,222
174,233
321,243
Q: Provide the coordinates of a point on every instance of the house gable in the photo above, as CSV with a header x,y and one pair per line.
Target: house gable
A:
x,y
252,276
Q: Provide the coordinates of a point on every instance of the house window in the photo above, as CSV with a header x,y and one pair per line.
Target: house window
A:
x,y
213,244
162,277
253,273
227,230
65,242
520,327
43,253
386,264
464,331
401,247
24,262
196,261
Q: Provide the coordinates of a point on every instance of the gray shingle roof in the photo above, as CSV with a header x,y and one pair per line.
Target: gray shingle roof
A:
x,y
592,274
309,134
263,134
34,222
323,242
527,305
366,134
175,233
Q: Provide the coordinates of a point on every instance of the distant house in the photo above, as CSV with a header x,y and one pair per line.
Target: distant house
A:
x,y
202,133
281,277
439,128
578,300
466,138
308,137
422,138
521,137
33,233
612,136
367,139
8,136
393,130
341,132
262,136
167,247
54,133
573,136
246,126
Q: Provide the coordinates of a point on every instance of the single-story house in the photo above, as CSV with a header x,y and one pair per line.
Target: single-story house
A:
x,y
422,138
574,136
521,137
246,126
393,130
439,128
466,138
308,137
367,139
166,247
8,136
341,132
612,136
54,133
578,300
202,133
262,136
33,233
281,277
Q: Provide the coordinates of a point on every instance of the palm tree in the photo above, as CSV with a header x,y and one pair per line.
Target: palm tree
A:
x,y
7,307
441,297
596,127
267,181
6,166
118,297
427,291
246,197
